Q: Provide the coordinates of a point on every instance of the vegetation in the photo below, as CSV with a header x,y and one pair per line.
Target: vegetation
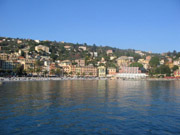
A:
x,y
136,64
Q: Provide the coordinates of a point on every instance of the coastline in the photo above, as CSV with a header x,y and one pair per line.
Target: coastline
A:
x,y
18,79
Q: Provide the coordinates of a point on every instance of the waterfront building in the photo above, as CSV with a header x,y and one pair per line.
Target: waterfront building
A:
x,y
130,72
28,64
134,70
111,71
52,68
177,73
42,47
67,69
89,71
102,71
8,65
84,71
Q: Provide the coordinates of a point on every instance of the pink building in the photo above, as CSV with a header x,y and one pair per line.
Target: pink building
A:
x,y
133,70
148,58
109,52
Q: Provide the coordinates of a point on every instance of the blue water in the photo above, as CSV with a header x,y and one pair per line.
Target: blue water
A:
x,y
90,107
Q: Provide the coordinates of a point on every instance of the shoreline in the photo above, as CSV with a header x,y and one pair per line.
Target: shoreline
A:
x,y
27,79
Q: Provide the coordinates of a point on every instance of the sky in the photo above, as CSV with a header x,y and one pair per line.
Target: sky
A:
x,y
147,25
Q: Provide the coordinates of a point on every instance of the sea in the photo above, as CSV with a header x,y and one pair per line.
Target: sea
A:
x,y
102,107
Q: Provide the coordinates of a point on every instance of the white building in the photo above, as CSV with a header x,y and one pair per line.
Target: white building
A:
x,y
131,75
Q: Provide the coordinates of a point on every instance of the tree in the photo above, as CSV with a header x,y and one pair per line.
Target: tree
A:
x,y
83,74
136,64
78,74
58,72
175,68
101,64
30,70
45,73
52,71
38,70
163,69
154,62
18,70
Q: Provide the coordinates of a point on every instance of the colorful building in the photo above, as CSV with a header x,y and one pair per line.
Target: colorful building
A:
x,y
102,71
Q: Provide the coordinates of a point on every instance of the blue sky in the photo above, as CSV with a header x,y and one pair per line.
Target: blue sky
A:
x,y
149,25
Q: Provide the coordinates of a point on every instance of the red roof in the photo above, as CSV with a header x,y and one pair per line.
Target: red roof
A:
x,y
20,57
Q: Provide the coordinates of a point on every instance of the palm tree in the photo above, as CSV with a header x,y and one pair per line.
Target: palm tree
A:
x,y
38,70
45,73
52,71
58,72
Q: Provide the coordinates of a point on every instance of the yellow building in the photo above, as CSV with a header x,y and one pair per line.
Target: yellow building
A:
x,y
123,61
102,71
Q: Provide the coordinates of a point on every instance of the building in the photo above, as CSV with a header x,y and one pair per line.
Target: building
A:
x,y
111,71
102,71
80,62
148,58
67,47
177,62
52,68
19,41
42,47
8,65
37,41
112,57
65,63
140,53
177,73
82,48
67,69
130,72
84,71
144,62
134,70
170,60
94,54
162,61
123,61
109,52
4,56
27,63
89,71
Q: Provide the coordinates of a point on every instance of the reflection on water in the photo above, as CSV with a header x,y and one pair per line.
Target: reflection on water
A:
x,y
90,107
